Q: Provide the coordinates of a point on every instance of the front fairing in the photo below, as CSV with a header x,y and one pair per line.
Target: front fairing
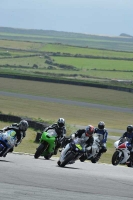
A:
x,y
76,147
125,156
121,147
8,138
49,138
98,137
116,144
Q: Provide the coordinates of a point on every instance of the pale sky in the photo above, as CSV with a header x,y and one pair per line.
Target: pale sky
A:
x,y
103,17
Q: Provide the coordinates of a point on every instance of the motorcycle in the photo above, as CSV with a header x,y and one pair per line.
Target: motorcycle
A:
x,y
8,140
122,153
92,153
72,152
47,144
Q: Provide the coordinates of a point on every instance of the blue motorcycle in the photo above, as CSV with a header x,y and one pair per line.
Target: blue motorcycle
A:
x,y
8,140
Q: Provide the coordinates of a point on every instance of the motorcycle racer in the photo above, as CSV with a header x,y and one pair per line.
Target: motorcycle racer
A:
x,y
60,129
84,136
20,130
103,139
129,134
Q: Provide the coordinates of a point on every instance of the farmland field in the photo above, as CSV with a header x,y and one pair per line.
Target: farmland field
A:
x,y
19,57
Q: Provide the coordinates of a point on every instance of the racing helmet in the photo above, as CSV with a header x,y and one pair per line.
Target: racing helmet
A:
x,y
89,130
130,128
23,125
101,125
61,122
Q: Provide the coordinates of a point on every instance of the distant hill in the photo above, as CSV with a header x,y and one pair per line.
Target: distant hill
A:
x,y
117,43
54,33
125,35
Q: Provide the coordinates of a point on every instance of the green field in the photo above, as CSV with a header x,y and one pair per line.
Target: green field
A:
x,y
19,57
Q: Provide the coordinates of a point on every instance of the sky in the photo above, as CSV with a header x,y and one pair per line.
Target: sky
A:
x,y
99,17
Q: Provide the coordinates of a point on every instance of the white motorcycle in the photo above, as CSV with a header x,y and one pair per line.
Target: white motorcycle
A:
x,y
8,140
122,153
72,152
92,152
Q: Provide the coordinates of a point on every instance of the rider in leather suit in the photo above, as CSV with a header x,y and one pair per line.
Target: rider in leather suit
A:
x,y
86,136
60,129
129,134
104,134
20,130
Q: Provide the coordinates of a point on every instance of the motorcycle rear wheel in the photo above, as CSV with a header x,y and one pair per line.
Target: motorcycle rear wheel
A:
x,y
39,151
115,158
130,164
94,160
67,160
47,157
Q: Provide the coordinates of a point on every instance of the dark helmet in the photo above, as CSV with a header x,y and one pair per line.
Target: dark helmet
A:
x,y
23,125
61,122
130,128
101,125
89,130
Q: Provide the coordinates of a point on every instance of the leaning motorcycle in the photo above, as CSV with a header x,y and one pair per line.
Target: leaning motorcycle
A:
x,y
92,152
47,144
8,140
74,152
122,153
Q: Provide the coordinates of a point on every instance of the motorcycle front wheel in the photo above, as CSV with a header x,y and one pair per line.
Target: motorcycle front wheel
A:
x,y
68,158
115,158
39,151
96,158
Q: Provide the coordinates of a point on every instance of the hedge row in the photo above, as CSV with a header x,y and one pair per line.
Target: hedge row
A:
x,y
15,119
65,81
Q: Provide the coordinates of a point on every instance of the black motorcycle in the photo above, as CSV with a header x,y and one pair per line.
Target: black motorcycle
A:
x,y
73,153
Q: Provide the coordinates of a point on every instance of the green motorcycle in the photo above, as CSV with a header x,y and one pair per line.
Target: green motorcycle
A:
x,y
47,144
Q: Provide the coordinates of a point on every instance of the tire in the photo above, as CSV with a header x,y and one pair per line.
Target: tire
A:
x,y
83,158
58,162
115,158
68,158
96,159
130,164
47,157
39,151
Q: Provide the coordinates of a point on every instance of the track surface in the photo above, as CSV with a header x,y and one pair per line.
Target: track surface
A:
x,y
24,178
69,102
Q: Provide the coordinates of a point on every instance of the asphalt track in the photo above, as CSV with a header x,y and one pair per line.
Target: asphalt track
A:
x,y
24,178
69,102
